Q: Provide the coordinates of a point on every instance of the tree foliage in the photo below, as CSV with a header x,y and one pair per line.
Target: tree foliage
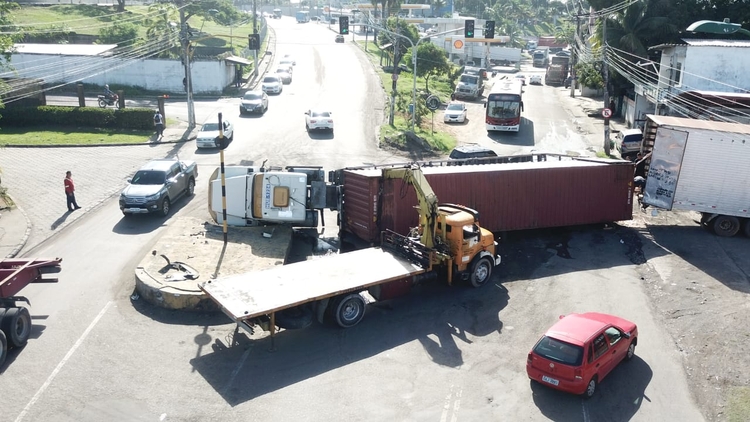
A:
x,y
431,61
589,76
400,45
120,33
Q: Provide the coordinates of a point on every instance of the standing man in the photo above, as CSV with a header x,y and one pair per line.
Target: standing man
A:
x,y
159,124
70,190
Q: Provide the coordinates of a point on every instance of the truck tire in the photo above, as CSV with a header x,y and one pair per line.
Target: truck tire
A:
x,y
3,349
725,225
348,310
481,272
16,325
294,318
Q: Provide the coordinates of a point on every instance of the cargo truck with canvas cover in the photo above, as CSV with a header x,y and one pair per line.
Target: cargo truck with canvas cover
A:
x,y
701,166
448,244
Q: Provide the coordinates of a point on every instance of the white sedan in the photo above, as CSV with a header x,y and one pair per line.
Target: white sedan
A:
x,y
208,137
272,84
535,80
455,112
318,120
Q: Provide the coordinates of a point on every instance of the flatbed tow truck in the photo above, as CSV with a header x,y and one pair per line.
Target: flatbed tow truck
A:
x,y
448,244
15,321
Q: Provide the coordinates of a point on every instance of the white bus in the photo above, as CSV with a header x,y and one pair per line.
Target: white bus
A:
x,y
504,106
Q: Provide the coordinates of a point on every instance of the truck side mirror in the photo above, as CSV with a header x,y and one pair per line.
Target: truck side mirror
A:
x,y
485,104
521,105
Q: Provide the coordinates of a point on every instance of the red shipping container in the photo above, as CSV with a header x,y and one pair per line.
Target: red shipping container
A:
x,y
508,197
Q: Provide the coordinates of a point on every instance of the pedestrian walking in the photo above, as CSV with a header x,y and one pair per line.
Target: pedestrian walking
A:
x,y
159,124
70,192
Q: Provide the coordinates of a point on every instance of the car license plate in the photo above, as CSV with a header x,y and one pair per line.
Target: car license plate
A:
x,y
550,380
134,209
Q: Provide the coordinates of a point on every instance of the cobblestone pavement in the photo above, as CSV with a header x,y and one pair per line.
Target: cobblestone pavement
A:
x,y
34,177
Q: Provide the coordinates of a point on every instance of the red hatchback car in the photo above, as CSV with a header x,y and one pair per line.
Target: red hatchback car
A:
x,y
580,350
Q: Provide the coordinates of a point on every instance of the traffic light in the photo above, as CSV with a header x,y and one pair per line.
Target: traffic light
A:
x,y
469,28
253,42
344,25
489,29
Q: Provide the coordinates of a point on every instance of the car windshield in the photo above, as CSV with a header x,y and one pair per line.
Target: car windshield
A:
x,y
320,114
559,351
270,79
282,70
457,107
286,61
253,96
468,79
149,177
210,127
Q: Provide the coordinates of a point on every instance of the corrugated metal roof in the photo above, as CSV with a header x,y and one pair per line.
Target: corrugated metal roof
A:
x,y
64,49
703,43
700,124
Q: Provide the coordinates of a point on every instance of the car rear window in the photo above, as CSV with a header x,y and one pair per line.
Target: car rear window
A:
x,y
210,127
270,79
559,351
320,114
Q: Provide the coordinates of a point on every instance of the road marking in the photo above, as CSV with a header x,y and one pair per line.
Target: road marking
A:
x,y
447,406
62,363
585,412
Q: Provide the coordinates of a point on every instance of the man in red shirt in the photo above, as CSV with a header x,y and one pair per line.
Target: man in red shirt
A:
x,y
70,192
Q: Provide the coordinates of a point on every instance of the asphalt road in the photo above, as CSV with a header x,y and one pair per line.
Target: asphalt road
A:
x,y
444,353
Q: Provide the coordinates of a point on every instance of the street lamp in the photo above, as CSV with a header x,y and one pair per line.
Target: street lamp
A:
x,y
414,62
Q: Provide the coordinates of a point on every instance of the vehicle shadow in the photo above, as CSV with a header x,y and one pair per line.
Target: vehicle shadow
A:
x,y
146,223
320,135
619,397
702,249
524,136
440,317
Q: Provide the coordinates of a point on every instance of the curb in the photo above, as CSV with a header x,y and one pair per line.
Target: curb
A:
x,y
171,298
26,234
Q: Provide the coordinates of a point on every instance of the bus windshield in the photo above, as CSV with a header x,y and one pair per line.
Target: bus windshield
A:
x,y
503,108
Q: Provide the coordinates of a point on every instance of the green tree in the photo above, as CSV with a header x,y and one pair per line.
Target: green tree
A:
x,y
120,33
8,38
589,76
431,61
163,24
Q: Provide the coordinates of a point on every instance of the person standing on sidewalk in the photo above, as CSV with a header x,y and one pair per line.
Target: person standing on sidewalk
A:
x,y
159,124
70,192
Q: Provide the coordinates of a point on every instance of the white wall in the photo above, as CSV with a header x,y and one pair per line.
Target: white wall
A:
x,y
208,77
724,67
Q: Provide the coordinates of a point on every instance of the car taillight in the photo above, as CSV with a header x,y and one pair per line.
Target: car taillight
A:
x,y
330,121
312,121
529,359
578,374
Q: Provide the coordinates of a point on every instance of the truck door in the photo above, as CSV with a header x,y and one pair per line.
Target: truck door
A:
x,y
664,168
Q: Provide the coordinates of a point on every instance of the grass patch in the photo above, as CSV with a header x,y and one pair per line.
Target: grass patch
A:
x,y
738,408
395,135
71,136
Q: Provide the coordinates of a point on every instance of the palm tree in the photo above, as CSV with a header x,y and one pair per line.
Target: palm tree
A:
x,y
437,5
634,29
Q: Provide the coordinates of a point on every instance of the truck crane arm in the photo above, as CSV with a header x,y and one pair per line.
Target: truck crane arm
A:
x,y
428,201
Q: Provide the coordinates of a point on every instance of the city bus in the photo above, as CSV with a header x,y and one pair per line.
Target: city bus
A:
x,y
504,106
303,16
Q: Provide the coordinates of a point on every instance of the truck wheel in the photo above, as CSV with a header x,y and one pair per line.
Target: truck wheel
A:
x,y
165,207
294,318
190,187
348,310
3,348
726,225
16,325
481,272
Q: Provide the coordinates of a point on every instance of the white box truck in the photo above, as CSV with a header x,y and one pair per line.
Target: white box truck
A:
x,y
700,165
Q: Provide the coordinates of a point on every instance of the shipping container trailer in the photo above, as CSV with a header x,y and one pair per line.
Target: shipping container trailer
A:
x,y
508,197
702,166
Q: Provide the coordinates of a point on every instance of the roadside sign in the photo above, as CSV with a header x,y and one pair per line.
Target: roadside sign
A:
x,y
394,77
606,113
432,102
458,44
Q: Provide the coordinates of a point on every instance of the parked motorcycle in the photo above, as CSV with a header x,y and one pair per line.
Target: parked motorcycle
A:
x,y
105,101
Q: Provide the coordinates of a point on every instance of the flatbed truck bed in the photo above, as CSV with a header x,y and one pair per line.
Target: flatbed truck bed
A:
x,y
250,295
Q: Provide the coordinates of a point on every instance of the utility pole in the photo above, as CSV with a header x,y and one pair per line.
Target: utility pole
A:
x,y
255,31
606,85
574,58
394,78
185,39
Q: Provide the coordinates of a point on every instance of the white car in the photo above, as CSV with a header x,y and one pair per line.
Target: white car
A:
x,y
535,80
455,112
208,137
521,78
290,59
284,74
287,61
318,120
272,84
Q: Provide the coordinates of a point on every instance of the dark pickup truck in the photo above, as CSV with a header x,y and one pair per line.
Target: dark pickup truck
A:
x,y
156,186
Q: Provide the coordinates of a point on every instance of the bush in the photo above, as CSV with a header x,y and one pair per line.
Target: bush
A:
x,y
130,118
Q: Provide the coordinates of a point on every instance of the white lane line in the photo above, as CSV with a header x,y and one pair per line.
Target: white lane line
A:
x,y
585,412
62,363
